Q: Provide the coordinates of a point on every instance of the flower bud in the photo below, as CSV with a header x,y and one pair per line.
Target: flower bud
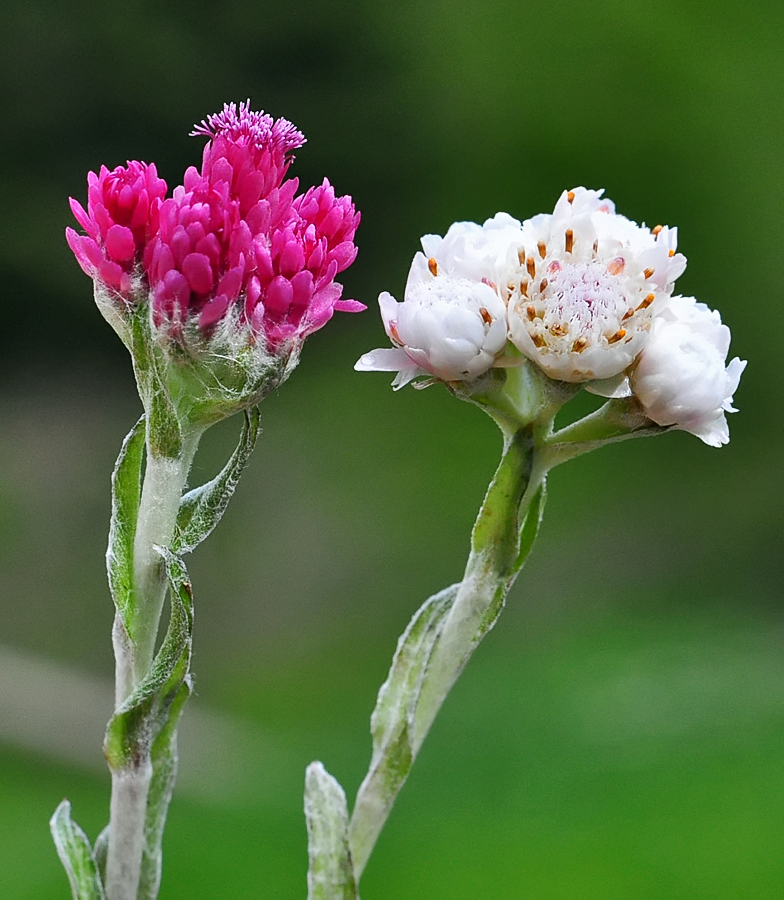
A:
x,y
680,378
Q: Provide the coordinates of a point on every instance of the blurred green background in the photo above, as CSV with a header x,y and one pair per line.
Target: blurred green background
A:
x,y
621,733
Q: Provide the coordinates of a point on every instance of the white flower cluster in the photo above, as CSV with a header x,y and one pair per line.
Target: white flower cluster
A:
x,y
584,293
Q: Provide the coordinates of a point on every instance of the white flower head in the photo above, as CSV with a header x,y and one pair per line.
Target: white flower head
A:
x,y
680,378
588,285
452,321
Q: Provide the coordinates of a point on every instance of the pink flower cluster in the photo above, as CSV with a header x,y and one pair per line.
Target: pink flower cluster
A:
x,y
233,240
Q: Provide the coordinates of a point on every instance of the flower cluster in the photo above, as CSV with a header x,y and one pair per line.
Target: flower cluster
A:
x,y
232,249
584,293
121,217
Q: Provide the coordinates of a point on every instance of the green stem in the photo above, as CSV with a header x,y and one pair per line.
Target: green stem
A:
x,y
164,481
490,571
446,631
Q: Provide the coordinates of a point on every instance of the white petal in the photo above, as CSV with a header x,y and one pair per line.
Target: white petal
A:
x,y
385,360
615,388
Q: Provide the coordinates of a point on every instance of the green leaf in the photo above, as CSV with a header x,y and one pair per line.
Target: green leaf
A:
x,y
136,725
202,508
164,774
530,529
126,490
144,728
100,852
74,851
391,724
330,874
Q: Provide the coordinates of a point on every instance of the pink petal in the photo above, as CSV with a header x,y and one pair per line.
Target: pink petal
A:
x,y
82,218
302,284
279,296
292,258
344,254
214,311
252,296
120,244
231,283
197,269
352,306
113,275
87,252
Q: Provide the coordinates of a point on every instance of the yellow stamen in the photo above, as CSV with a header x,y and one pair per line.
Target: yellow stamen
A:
x,y
486,317
619,335
531,266
542,248
433,266
569,240
648,273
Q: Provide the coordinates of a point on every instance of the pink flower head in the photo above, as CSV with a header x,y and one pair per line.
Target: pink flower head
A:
x,y
233,246
122,213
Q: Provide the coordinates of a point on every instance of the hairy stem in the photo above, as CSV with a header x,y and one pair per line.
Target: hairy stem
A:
x,y
164,481
126,834
489,574
501,540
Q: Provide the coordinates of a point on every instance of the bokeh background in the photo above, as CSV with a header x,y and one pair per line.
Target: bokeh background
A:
x,y
621,732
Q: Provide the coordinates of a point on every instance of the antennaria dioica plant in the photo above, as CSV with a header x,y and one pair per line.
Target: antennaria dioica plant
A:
x,y
213,291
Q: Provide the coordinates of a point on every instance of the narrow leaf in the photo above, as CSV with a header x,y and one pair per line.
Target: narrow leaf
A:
x,y
145,726
100,851
330,874
202,508
75,853
138,722
530,529
392,724
164,774
126,490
